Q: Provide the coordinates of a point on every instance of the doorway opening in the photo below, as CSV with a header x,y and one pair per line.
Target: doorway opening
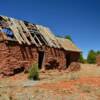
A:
x,y
40,59
68,59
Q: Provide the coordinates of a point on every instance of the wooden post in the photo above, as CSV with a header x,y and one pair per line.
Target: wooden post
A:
x,y
43,63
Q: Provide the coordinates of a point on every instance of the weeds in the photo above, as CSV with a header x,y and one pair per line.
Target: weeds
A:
x,y
85,88
34,72
72,76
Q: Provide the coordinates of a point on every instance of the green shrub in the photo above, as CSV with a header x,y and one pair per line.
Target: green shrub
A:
x,y
73,76
34,72
91,58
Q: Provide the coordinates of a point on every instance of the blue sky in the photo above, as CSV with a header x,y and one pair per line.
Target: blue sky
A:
x,y
79,18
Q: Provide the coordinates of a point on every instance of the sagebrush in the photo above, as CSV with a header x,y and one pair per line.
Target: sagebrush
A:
x,y
34,72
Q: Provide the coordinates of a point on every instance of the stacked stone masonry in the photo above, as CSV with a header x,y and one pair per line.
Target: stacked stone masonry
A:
x,y
13,56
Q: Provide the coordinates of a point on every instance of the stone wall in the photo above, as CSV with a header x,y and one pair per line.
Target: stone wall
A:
x,y
71,57
75,56
55,55
13,56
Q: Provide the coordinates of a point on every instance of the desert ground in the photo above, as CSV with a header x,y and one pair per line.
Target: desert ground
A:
x,y
54,85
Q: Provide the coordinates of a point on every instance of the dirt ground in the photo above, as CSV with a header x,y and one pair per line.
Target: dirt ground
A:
x,y
54,85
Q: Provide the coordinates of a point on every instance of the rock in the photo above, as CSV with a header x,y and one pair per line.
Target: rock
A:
x,y
74,66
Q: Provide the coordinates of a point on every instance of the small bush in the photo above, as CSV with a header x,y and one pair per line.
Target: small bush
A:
x,y
34,72
72,76
85,88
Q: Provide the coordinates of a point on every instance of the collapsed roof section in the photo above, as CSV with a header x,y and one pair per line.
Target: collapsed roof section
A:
x,y
49,36
27,33
67,45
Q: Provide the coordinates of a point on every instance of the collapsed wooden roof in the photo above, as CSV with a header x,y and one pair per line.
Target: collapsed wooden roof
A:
x,y
67,45
27,33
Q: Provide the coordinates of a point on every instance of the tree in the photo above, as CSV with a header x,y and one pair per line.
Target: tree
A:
x,y
98,52
91,58
68,37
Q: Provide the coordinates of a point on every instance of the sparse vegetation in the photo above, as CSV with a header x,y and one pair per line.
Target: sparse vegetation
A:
x,y
72,76
54,85
85,88
34,72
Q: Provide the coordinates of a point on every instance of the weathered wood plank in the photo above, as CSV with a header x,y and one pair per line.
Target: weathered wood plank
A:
x,y
25,28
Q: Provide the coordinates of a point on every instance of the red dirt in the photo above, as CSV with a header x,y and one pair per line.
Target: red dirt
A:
x,y
70,85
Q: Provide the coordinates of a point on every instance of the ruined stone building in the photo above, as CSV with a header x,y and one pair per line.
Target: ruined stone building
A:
x,y
98,59
23,44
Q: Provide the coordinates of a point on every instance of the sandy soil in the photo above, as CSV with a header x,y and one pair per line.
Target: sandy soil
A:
x,y
54,85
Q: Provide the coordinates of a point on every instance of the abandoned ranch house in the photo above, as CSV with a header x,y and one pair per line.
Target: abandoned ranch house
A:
x,y
23,44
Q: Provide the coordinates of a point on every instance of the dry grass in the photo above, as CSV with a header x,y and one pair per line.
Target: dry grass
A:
x,y
89,70
80,85
85,88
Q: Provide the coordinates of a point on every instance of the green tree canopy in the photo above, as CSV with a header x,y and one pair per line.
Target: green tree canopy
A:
x,y
98,52
68,37
91,58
